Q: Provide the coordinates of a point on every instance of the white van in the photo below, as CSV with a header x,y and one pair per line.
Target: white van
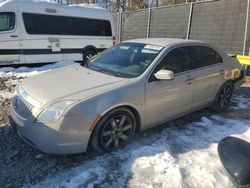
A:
x,y
44,31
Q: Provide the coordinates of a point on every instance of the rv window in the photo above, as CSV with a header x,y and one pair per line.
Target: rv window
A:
x,y
64,25
7,21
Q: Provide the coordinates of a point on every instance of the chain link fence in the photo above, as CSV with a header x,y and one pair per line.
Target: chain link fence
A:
x,y
224,23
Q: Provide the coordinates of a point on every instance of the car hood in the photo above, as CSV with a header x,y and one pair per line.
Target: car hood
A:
x,y
72,82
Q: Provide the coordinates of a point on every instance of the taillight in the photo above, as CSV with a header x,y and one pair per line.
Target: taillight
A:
x,y
114,40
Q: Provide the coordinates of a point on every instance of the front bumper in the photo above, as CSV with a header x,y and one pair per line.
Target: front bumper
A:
x,y
14,126
68,135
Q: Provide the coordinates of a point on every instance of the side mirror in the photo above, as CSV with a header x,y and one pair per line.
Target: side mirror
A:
x,y
164,75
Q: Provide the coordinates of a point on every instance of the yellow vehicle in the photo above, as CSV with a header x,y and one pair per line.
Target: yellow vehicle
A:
x,y
244,61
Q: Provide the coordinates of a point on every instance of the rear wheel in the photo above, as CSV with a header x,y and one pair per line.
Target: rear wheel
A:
x,y
223,97
114,131
88,54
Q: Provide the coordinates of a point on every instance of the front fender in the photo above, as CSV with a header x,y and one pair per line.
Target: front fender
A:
x,y
132,96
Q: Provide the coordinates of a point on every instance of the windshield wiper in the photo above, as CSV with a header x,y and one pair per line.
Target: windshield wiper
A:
x,y
103,71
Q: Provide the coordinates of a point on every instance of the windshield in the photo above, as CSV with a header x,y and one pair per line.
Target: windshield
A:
x,y
126,60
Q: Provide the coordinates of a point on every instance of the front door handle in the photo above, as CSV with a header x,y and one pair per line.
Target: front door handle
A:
x,y
13,36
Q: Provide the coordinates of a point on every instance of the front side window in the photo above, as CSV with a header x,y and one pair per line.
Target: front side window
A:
x,y
177,60
126,60
7,21
204,56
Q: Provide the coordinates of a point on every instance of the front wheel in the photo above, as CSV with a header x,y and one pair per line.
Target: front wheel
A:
x,y
223,97
114,131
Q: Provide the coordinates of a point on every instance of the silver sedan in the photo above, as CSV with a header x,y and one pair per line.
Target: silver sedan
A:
x,y
130,87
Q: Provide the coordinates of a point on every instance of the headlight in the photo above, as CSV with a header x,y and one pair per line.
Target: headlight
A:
x,y
53,112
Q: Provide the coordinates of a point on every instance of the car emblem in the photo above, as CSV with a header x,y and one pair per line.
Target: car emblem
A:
x,y
16,103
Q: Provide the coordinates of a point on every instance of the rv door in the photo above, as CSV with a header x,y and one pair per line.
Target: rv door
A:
x,y
9,38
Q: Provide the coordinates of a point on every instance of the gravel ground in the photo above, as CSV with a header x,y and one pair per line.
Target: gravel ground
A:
x,y
19,163
22,165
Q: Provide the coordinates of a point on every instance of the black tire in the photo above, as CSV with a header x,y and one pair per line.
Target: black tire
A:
x,y
88,54
114,131
223,97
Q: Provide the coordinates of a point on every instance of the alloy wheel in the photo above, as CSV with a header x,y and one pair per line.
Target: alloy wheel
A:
x,y
117,132
88,56
225,96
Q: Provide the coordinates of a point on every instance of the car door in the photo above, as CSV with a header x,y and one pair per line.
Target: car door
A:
x,y
210,74
168,99
9,38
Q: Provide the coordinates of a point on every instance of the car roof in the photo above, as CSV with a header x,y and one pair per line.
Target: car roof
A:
x,y
164,41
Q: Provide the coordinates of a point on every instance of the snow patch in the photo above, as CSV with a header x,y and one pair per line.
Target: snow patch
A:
x,y
176,156
24,72
6,94
27,71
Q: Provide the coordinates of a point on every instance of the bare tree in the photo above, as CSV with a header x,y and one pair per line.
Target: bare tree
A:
x,y
138,4
169,2
124,5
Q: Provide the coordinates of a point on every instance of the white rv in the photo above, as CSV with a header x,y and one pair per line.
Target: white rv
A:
x,y
44,31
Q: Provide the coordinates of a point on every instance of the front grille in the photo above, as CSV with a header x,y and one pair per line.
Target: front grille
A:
x,y
21,107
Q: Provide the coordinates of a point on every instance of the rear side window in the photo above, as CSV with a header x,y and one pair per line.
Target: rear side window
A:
x,y
205,56
178,60
7,21
64,25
